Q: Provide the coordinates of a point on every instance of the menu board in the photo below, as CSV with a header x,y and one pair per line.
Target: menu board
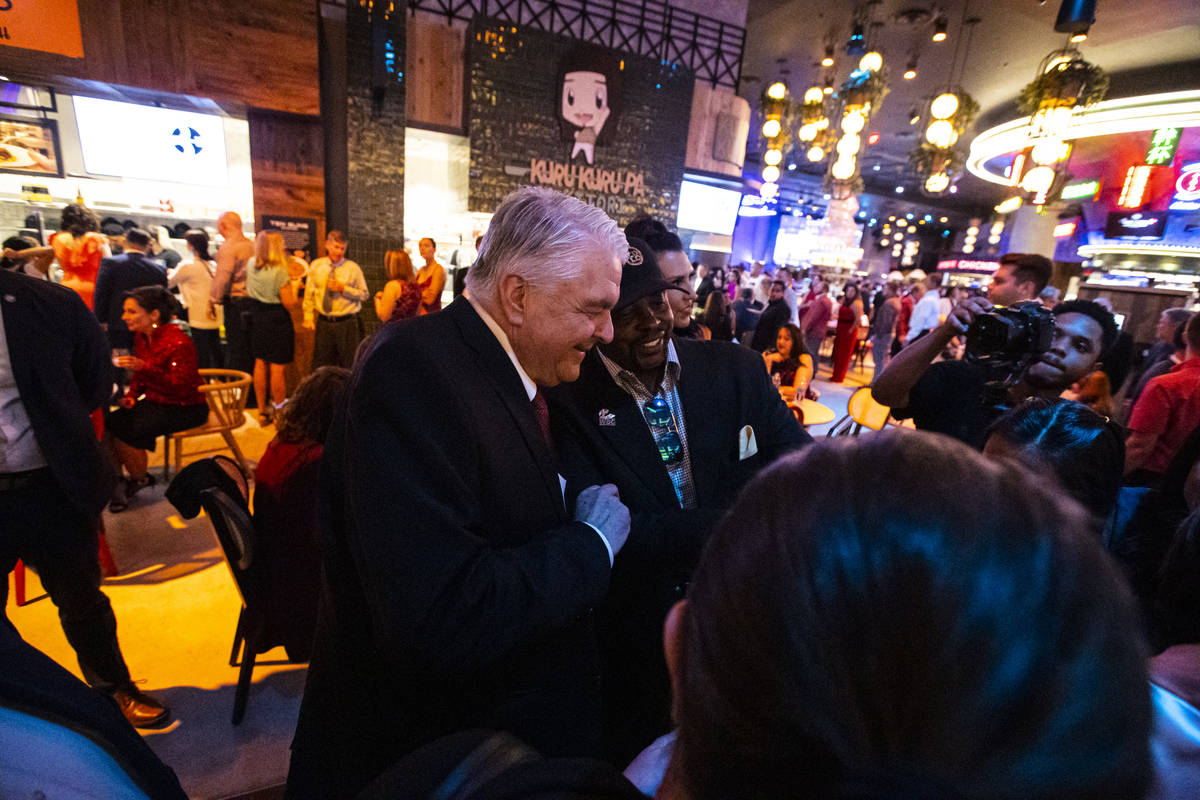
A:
x,y
30,146
299,233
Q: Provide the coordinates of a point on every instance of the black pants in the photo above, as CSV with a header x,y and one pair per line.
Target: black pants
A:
x,y
237,333
208,347
41,526
336,341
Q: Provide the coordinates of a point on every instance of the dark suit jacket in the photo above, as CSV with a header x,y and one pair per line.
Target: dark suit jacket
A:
x,y
722,387
457,588
63,371
772,319
117,275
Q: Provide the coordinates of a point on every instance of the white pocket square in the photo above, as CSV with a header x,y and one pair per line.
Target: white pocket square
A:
x,y
747,446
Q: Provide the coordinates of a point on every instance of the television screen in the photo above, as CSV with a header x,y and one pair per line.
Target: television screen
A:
x,y
708,208
160,144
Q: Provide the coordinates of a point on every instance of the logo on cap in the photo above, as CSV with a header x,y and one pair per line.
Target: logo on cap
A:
x,y
635,257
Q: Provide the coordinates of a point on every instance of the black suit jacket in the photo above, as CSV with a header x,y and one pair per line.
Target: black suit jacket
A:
x,y
457,588
722,387
117,275
63,371
773,318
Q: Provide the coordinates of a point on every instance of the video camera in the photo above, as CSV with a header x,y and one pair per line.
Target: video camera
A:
x,y
1007,341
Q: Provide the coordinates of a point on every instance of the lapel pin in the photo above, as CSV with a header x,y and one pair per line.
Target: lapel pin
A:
x,y
607,419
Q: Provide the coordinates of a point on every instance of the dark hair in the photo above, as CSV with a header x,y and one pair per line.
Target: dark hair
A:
x,y
429,239
846,291
16,243
746,294
336,236
716,308
957,621
653,233
137,237
398,266
590,58
1178,316
154,298
798,348
1102,315
78,220
1191,333
776,282
198,240
309,413
1177,340
1085,451
1029,267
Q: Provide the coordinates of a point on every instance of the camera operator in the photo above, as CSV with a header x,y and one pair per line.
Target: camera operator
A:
x,y
952,397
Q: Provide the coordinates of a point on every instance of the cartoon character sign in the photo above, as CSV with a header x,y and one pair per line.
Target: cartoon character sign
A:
x,y
589,95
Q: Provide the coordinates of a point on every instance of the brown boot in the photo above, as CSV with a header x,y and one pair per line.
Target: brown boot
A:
x,y
142,710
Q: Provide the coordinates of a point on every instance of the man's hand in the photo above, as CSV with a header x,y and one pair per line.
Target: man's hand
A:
x,y
964,314
602,507
310,325
334,285
212,310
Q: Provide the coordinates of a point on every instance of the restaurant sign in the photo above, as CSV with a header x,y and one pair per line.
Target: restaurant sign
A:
x,y
607,127
51,26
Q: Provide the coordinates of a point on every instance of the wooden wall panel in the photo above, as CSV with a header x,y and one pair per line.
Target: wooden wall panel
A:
x,y
261,53
434,67
287,167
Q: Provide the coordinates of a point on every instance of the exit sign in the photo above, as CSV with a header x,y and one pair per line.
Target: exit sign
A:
x,y
1163,145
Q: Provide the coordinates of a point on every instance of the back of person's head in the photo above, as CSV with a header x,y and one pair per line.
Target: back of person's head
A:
x,y
1029,267
17,243
137,238
398,265
78,220
309,413
1102,316
198,241
542,236
653,233
1177,316
270,250
1191,334
154,298
1177,340
956,627
746,294
1084,451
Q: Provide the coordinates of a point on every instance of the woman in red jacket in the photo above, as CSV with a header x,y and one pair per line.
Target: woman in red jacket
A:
x,y
163,395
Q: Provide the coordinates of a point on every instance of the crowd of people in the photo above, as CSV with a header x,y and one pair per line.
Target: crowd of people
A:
x,y
570,523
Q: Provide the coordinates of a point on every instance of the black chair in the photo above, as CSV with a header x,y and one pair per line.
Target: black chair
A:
x,y
220,487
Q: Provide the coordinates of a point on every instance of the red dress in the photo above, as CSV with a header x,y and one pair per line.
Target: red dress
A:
x,y
844,340
80,261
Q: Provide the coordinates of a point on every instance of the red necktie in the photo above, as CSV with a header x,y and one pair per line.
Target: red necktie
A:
x,y
542,412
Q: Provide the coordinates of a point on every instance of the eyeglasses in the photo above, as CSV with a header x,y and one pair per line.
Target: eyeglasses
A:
x,y
658,414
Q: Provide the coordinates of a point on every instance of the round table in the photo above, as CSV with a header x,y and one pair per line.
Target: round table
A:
x,y
815,413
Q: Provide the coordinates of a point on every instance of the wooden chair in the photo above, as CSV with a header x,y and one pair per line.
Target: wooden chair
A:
x,y
226,391
862,412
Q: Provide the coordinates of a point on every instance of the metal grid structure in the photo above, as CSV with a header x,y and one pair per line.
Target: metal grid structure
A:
x,y
712,49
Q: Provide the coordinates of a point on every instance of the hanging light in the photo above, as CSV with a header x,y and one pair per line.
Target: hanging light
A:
x,y
843,169
1050,151
1079,37
939,28
822,123
777,90
941,133
1009,205
853,121
814,95
914,117
771,128
871,62
769,191
910,71
828,89
937,182
808,132
773,157
770,174
827,61
1038,180
815,153
849,144
944,105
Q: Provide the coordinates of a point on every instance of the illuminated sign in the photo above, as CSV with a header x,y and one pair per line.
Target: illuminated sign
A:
x,y
1064,229
1187,189
1079,191
1163,145
1133,193
968,265
1136,225
1009,205
51,26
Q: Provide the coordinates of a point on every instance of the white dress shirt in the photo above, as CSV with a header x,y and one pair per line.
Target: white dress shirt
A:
x,y
19,449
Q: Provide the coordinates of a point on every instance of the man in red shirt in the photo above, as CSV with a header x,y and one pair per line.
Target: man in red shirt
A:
x,y
1167,411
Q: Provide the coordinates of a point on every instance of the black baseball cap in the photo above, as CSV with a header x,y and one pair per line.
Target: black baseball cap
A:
x,y
640,275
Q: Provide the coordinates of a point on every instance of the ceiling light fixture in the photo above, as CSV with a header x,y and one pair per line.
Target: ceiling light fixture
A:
x,y
939,28
827,61
910,71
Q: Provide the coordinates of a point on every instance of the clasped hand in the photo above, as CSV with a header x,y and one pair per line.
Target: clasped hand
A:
x,y
601,506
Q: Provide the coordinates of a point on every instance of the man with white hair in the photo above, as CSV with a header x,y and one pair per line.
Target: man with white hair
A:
x,y
458,587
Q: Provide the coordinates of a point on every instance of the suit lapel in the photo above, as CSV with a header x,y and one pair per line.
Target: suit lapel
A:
x,y
17,330
496,366
629,438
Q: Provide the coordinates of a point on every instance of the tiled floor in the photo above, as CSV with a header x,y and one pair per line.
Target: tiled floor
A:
x,y
176,607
